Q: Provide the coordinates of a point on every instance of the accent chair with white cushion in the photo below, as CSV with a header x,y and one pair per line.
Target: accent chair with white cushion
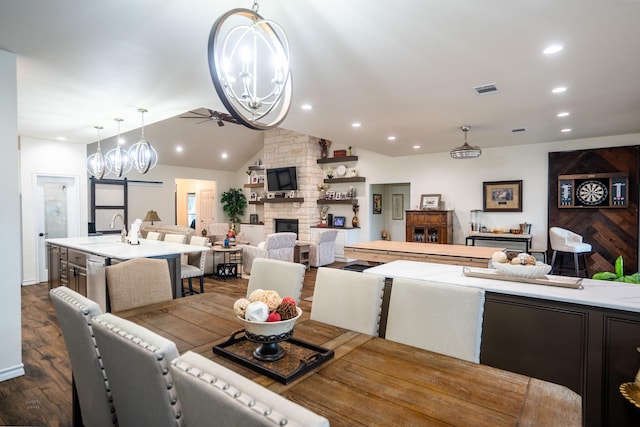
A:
x,y
137,362
74,313
567,242
213,395
348,299
322,250
278,246
284,277
437,317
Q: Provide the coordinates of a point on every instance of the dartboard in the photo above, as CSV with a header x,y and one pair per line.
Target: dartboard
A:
x,y
591,192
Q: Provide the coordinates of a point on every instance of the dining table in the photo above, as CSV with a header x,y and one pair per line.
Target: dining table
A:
x,y
369,380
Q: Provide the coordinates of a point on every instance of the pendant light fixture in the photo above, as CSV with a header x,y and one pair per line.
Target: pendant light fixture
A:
x,y
143,156
466,151
97,163
118,158
250,69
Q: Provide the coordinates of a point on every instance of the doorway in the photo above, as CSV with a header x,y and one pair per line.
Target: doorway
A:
x,y
56,212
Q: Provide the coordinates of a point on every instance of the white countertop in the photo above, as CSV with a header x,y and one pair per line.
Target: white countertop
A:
x,y
597,293
110,246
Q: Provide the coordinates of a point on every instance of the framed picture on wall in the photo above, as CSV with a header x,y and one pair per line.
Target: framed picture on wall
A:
x,y
253,196
253,218
397,203
430,201
502,196
377,203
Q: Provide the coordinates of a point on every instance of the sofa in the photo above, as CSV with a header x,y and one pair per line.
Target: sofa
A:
x,y
168,229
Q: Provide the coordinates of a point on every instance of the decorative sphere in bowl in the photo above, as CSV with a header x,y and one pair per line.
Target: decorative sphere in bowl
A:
x,y
268,329
524,271
268,335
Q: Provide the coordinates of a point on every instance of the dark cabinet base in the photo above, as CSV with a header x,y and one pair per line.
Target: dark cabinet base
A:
x,y
590,350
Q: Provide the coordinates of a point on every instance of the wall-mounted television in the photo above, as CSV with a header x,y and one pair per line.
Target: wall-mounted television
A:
x,y
282,179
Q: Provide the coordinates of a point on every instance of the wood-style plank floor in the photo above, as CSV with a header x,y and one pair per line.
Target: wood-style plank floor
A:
x,y
42,397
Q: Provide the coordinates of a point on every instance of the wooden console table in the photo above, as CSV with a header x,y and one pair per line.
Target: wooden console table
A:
x,y
524,239
387,251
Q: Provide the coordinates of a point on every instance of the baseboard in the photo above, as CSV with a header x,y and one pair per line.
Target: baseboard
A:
x,y
10,373
29,282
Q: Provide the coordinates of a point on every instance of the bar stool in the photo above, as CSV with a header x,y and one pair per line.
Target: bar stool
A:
x,y
565,242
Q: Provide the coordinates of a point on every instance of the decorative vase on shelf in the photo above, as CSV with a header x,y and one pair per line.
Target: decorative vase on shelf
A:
x,y
322,194
355,221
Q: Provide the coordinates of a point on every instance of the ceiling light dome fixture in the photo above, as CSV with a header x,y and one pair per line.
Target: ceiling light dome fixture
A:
x,y
466,151
118,158
249,66
97,163
143,156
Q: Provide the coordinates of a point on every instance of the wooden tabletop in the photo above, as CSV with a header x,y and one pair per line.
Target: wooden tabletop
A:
x,y
387,251
372,381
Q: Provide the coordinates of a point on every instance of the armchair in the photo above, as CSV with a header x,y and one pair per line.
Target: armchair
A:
x,y
322,251
276,246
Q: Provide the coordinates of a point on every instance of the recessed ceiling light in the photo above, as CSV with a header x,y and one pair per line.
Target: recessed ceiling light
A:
x,y
559,89
415,147
307,107
61,138
179,148
224,155
563,114
554,48
121,141
391,138
356,124
565,130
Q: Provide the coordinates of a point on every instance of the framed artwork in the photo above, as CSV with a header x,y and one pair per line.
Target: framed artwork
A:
x,y
595,190
254,179
271,195
337,195
253,218
329,195
502,196
338,221
292,194
397,202
430,201
261,179
253,196
377,203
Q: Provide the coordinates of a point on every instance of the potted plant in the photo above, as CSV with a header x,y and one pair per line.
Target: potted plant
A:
x,y
234,202
619,275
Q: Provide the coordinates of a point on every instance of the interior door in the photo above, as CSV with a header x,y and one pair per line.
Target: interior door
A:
x,y
56,212
207,209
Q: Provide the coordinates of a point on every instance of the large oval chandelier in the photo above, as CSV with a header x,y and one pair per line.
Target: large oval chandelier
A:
x,y
97,163
143,156
249,66
118,158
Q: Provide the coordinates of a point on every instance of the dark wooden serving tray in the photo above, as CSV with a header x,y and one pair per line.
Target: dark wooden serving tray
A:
x,y
300,357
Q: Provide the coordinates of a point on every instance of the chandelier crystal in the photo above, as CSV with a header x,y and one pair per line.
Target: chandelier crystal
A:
x,y
118,158
466,151
97,163
143,156
249,66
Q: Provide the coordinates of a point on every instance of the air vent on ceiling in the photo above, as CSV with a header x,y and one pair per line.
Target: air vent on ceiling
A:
x,y
518,130
486,89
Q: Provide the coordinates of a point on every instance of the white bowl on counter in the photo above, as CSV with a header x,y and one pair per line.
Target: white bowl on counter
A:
x,y
525,271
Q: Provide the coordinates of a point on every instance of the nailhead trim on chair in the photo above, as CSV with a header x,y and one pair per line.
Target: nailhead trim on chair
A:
x,y
248,401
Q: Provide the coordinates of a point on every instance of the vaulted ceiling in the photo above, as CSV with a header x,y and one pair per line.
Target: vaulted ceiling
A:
x,y
402,68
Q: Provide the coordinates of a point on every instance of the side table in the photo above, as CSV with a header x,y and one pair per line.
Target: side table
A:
x,y
301,254
231,265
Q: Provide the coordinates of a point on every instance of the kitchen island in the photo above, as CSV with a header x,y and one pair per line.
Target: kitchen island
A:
x,y
584,339
79,262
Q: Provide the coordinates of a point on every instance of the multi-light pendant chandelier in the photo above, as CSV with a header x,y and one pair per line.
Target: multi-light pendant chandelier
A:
x,y
118,161
466,151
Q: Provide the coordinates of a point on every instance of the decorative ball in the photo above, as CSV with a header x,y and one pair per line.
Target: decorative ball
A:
x,y
255,295
240,306
516,261
257,311
499,257
273,317
287,310
271,298
290,300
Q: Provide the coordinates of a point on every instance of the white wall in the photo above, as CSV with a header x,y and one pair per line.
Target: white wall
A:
x,y
10,325
460,182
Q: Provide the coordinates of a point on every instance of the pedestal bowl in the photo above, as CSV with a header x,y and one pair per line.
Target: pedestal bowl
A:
x,y
269,335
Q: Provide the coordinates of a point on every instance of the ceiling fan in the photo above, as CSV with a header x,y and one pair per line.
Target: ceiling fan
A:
x,y
210,115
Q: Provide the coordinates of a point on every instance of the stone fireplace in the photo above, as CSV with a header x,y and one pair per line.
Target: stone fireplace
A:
x,y
286,226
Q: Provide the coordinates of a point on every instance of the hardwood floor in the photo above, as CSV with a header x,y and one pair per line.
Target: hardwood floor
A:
x,y
42,397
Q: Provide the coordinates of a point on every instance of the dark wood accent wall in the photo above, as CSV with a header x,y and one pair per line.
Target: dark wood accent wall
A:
x,y
610,231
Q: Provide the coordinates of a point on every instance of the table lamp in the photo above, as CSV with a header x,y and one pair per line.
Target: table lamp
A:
x,y
152,216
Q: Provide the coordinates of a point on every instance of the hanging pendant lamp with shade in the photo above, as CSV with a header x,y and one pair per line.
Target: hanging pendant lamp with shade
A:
x,y
466,151
143,156
118,158
97,163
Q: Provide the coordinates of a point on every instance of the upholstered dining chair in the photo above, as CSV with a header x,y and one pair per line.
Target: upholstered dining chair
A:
x,y
565,242
213,395
348,299
284,277
138,282
278,246
196,262
74,313
153,235
137,362
322,250
443,318
175,238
